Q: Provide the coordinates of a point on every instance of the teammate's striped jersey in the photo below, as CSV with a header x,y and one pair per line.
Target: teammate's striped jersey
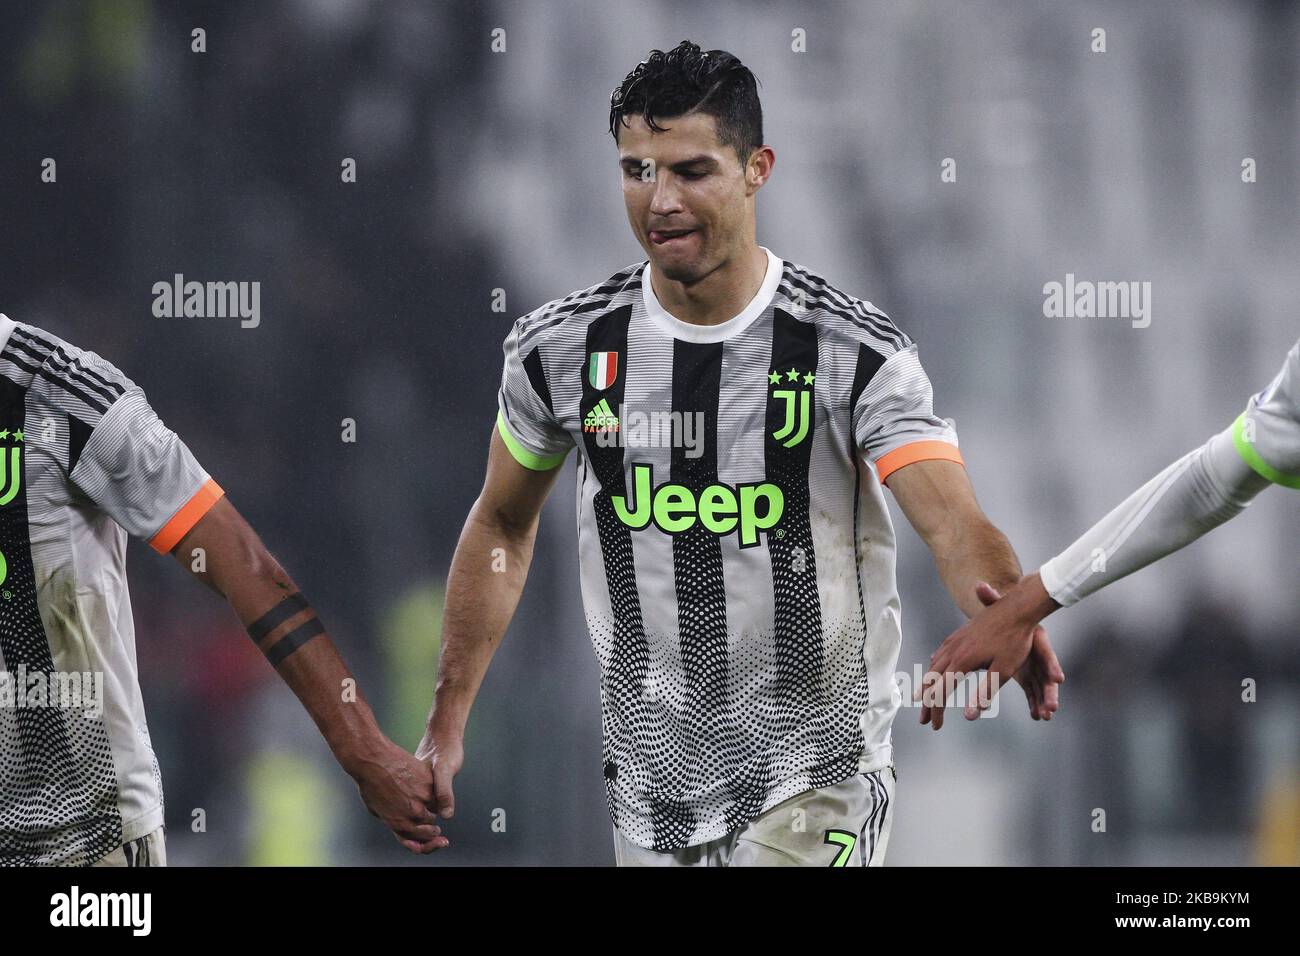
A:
x,y
1267,434
737,560
83,461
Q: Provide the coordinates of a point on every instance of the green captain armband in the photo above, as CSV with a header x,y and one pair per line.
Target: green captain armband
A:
x,y
522,454
1248,453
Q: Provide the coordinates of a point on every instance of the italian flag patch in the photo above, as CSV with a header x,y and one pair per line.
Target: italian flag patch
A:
x,y
602,369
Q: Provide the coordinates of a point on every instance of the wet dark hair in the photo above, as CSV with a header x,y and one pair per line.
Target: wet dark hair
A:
x,y
686,80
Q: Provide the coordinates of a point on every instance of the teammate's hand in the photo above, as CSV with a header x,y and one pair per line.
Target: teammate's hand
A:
x,y
1039,677
1003,640
397,787
445,753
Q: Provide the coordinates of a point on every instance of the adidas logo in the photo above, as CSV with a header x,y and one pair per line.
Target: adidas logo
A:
x,y
600,419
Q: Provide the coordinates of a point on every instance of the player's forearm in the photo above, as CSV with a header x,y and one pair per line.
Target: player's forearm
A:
x,y
225,553
288,631
321,680
970,552
1192,496
484,585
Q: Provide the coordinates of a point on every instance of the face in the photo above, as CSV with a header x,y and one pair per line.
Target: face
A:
x,y
689,200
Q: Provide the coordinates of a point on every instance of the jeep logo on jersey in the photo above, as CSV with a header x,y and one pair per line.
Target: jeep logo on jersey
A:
x,y
746,508
602,369
798,404
11,467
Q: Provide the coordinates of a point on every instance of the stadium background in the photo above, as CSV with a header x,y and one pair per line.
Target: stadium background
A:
x,y
480,171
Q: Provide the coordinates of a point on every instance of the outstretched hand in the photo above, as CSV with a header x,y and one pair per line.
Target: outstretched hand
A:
x,y
1002,640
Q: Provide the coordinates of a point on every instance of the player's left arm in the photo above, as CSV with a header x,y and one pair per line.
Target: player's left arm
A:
x,y
915,454
939,502
977,565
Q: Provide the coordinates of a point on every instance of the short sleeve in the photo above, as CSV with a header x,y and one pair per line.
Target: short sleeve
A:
x,y
1267,434
140,473
525,418
894,423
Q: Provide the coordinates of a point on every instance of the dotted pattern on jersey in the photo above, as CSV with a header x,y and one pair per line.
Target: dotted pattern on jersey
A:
x,y
766,774
718,744
738,721
817,730
634,728
58,787
799,658
722,698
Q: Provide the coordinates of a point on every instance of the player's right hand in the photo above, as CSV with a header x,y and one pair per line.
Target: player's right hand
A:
x,y
397,787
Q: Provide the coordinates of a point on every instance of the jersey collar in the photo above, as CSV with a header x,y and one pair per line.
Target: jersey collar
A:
x,y
689,331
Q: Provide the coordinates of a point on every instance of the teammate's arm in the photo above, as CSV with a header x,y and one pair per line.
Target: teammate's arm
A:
x,y
481,599
139,472
976,563
1191,497
395,786
1194,495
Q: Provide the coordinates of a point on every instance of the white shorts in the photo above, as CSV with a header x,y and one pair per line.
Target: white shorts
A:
x,y
846,824
149,850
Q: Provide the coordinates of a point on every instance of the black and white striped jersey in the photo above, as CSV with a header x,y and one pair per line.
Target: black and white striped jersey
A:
x,y
83,462
737,555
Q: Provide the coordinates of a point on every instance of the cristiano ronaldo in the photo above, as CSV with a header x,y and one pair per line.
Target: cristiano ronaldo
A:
x,y
739,591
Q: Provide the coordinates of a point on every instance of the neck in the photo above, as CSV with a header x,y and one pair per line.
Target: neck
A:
x,y
717,297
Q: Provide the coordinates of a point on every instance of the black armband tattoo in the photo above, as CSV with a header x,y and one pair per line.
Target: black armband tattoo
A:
x,y
273,618
294,639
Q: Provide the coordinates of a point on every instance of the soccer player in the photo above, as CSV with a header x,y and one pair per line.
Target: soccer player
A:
x,y
83,462
1194,495
736,419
